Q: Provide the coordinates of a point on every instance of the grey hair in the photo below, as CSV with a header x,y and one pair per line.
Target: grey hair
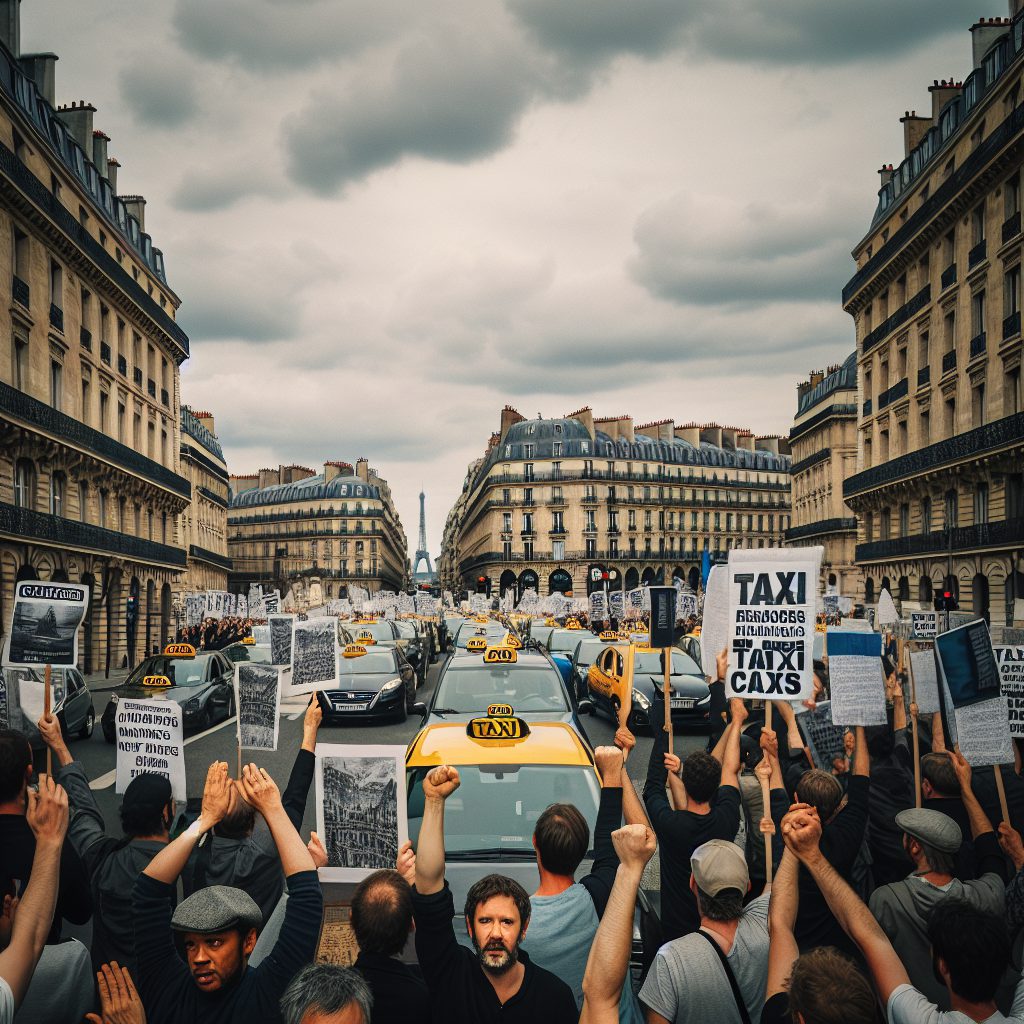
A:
x,y
325,989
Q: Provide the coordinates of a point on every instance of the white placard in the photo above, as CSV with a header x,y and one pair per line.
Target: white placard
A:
x,y
714,630
887,613
856,683
314,655
44,624
924,625
280,639
926,682
772,611
149,740
361,813
1011,682
258,700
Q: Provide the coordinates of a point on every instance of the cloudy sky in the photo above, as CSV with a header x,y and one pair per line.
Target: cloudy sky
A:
x,y
386,219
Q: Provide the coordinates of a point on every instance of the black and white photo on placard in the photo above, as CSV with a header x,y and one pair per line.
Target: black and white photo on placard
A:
x,y
258,699
280,639
314,654
44,623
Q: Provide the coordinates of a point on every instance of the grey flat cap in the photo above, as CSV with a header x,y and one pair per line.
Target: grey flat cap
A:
x,y
936,829
216,909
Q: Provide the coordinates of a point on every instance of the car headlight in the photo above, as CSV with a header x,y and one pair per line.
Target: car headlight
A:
x,y
391,685
641,701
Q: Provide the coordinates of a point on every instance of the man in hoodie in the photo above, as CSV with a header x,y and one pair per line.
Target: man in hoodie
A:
x,y
932,841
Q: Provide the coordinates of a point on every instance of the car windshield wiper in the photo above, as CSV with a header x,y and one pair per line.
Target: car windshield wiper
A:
x,y
447,711
491,853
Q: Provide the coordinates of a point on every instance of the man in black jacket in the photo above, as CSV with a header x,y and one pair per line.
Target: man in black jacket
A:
x,y
499,983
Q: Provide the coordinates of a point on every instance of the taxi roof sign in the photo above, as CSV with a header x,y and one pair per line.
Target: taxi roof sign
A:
x,y
497,728
365,638
179,651
248,640
500,655
476,643
500,711
353,651
608,636
573,624
511,640
155,682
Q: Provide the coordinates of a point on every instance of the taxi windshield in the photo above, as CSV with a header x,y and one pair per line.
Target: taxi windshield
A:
x,y
468,689
649,663
495,809
380,631
565,641
180,671
492,631
587,652
406,630
371,661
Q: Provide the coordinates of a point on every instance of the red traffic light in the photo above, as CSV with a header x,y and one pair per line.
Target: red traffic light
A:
x,y
947,594
481,579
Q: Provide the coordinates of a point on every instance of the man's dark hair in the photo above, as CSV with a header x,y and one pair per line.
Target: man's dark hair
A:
x,y
881,741
821,790
702,775
937,768
821,671
938,860
325,989
563,837
239,822
974,945
826,988
15,760
143,821
382,912
726,906
498,885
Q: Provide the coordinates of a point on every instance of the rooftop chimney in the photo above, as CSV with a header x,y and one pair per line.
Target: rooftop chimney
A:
x,y
711,433
206,419
942,92
745,440
41,68
136,206
767,444
10,25
690,433
112,166
509,416
914,130
817,376
99,152
586,417
984,33
78,118
363,469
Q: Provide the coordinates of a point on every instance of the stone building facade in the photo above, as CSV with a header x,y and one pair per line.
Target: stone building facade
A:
x,y
823,442
315,533
939,491
557,503
90,487
204,524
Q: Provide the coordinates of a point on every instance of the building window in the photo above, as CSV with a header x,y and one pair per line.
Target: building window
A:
x,y
506,522
905,520
56,383
528,471
527,522
163,527
926,515
102,509
613,547
527,451
56,285
556,522
24,483
83,502
978,313
21,363
506,550
86,403
1011,195
58,488
1011,294
558,550
591,523
952,509
981,503
631,519
590,545
978,404
528,550
556,448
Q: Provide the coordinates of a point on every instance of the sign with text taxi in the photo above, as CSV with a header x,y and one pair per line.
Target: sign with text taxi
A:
x,y
497,727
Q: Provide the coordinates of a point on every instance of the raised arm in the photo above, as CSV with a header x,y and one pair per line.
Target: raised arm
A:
x,y
438,785
633,812
975,813
297,791
47,816
782,948
938,736
609,953
731,761
861,757
260,790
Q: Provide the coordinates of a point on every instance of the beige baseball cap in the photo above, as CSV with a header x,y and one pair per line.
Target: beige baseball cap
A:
x,y
719,865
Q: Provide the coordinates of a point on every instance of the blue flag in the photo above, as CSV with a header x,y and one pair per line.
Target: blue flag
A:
x,y
705,569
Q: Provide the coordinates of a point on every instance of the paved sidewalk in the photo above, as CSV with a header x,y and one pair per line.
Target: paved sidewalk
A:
x,y
98,681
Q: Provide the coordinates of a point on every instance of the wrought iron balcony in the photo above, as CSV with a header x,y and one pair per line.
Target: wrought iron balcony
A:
x,y
973,443
221,561
924,376
56,318
212,496
978,345
1011,226
811,460
948,276
70,535
20,291
36,415
949,361
85,338
1011,325
1007,532
821,528
900,317
977,254
893,394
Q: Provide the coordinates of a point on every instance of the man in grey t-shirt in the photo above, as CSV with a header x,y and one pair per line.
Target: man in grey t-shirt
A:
x,y
688,983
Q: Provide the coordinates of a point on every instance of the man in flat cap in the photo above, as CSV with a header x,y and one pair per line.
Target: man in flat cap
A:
x,y
932,841
217,926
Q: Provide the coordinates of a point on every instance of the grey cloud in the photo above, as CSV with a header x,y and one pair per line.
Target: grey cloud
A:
x,y
203,190
159,93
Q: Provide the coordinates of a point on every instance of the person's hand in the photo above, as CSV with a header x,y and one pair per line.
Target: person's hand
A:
x,y
801,832
259,789
405,864
47,811
962,769
763,770
769,743
312,719
849,743
608,761
49,729
441,782
913,711
119,1000
7,912
216,795
840,765
1010,842
890,686
722,663
317,850
635,846
672,764
766,826
625,741
738,710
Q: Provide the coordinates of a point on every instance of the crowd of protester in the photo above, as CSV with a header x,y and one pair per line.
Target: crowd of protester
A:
x,y
215,634
835,899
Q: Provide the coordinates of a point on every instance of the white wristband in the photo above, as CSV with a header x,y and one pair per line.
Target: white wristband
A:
x,y
194,829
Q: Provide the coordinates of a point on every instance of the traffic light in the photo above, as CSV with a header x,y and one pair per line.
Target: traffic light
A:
x,y
483,585
132,609
946,602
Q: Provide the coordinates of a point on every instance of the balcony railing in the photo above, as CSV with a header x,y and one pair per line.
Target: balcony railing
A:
x,y
900,317
977,254
811,460
893,394
978,345
1011,226
949,361
1007,532
20,291
85,338
821,528
122,366
70,535
948,276
56,318
63,428
981,441
221,561
212,496
105,352
924,376
1011,325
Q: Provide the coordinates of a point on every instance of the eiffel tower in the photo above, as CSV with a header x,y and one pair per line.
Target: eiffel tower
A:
x,y
422,554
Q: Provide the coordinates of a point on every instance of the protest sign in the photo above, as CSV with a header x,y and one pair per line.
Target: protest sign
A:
x,y
280,639
771,614
856,682
617,604
258,700
261,635
663,615
886,614
830,604
926,683
314,655
44,625
924,625
823,737
975,710
5,706
714,633
149,740
686,605
598,606
1010,661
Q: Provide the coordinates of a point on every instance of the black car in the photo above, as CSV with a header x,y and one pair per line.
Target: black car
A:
x,y
377,683
203,685
414,646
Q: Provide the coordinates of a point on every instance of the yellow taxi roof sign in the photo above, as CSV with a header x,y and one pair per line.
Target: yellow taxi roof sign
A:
x,y
450,743
353,651
156,681
573,624
365,638
248,640
500,655
511,640
179,651
550,622
500,710
476,643
608,636
497,728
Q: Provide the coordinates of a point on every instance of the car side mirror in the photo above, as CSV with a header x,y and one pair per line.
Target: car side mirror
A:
x,y
585,707
419,708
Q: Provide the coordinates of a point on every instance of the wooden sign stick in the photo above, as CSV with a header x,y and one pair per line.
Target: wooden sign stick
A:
x,y
913,733
998,769
666,657
766,801
47,680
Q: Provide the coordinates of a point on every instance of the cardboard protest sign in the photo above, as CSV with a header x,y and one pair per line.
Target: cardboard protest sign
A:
x,y
598,606
830,604
887,613
616,604
772,597
663,615
314,655
856,682
823,737
258,700
44,625
924,625
280,639
926,682
714,633
149,740
975,710
1010,661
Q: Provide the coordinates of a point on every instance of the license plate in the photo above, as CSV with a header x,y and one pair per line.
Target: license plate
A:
x,y
682,703
351,707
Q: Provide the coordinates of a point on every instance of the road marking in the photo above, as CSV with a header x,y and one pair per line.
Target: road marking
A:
x,y
107,780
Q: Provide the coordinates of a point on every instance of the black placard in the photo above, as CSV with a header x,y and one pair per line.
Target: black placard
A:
x,y
663,616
